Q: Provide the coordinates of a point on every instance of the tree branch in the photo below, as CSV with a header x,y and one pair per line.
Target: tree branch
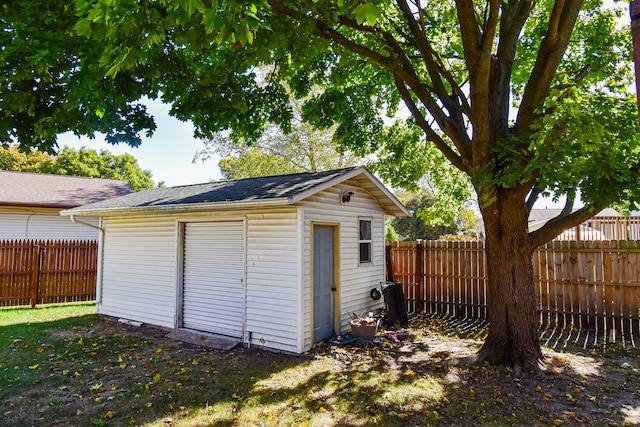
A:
x,y
435,67
470,32
402,69
533,197
560,223
451,155
561,23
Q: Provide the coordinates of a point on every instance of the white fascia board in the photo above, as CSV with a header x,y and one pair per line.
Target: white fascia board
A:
x,y
173,209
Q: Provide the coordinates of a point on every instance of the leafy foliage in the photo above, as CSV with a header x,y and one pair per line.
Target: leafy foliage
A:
x,y
416,227
302,149
52,82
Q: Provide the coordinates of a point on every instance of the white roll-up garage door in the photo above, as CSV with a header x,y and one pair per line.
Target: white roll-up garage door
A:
x,y
213,285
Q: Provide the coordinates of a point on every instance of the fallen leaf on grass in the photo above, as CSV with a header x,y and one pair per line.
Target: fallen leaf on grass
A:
x,y
34,367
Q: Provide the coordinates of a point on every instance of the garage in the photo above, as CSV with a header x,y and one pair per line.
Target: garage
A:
x,y
213,277
237,258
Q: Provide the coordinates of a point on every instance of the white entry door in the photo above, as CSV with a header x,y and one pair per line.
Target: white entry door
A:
x,y
213,277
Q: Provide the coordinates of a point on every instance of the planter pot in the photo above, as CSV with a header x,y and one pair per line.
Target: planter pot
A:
x,y
365,332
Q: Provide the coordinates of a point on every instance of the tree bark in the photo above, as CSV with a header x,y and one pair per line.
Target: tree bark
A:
x,y
512,309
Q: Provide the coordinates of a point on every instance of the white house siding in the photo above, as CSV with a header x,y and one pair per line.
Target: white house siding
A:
x,y
355,280
140,269
46,224
273,279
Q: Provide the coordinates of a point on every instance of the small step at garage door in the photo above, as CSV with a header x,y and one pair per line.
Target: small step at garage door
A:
x,y
213,277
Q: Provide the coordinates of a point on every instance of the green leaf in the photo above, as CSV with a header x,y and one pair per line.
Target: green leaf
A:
x,y
367,12
245,36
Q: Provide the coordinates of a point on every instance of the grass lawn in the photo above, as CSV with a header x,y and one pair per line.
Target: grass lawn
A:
x,y
67,366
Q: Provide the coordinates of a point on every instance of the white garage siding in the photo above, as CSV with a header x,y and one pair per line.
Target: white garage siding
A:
x,y
356,280
273,279
140,269
45,224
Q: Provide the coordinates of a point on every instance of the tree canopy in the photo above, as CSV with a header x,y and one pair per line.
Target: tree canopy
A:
x,y
52,81
521,97
415,227
82,162
303,148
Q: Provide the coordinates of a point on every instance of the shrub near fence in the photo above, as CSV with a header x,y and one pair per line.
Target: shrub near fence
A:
x,y
45,272
582,284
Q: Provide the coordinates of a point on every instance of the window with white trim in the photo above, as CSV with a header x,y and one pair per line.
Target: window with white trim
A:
x,y
364,241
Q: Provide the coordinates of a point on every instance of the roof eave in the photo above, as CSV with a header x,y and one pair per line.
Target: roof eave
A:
x,y
181,208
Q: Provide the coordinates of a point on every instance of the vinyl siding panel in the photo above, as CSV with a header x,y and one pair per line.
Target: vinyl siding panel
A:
x,y
46,224
355,279
140,269
273,280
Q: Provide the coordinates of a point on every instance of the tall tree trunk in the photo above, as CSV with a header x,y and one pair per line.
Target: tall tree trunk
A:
x,y
513,321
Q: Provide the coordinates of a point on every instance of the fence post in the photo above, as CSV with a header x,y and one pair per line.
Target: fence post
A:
x,y
390,261
35,274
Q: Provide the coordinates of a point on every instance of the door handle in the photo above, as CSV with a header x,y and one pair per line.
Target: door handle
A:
x,y
333,289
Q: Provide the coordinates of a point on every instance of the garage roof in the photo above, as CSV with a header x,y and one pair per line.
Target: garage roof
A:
x,y
271,190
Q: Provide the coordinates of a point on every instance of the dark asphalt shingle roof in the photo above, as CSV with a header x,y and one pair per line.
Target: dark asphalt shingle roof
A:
x,y
58,191
242,190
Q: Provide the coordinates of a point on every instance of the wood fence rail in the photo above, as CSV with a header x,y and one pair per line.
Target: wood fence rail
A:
x,y
44,272
581,284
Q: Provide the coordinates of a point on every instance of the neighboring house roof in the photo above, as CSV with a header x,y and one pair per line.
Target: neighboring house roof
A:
x,y
56,191
539,217
270,190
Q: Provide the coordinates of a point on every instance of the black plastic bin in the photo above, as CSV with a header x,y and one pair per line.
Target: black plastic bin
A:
x,y
395,305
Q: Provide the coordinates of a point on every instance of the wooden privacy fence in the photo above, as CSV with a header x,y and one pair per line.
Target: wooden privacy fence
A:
x,y
581,284
45,272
